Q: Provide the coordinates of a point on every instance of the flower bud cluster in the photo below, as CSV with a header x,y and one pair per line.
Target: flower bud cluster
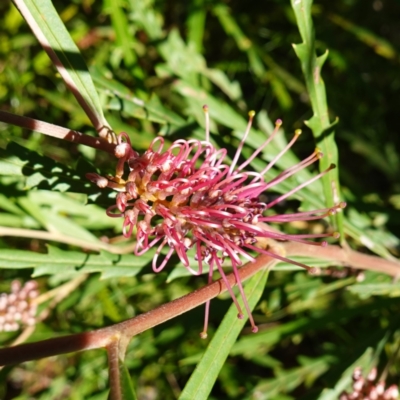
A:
x,y
365,388
18,308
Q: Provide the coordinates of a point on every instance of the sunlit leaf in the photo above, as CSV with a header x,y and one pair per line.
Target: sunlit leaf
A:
x,y
57,42
207,370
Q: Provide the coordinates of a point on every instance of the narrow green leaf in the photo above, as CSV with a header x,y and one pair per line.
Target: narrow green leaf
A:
x,y
368,238
89,216
49,29
229,24
120,25
380,45
56,260
366,361
279,78
219,78
320,124
152,110
265,339
125,383
125,38
376,289
182,60
206,372
148,17
196,25
287,380
38,171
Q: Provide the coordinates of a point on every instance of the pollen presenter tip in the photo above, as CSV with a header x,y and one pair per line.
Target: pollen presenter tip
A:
x,y
203,335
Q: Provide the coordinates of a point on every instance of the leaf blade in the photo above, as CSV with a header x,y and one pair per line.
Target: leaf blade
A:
x,y
50,31
319,123
202,380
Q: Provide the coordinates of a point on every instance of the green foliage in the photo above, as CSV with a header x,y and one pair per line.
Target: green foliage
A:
x,y
207,370
319,123
63,52
127,392
151,67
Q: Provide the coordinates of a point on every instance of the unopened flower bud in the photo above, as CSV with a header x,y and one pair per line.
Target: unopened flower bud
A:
x,y
100,181
121,201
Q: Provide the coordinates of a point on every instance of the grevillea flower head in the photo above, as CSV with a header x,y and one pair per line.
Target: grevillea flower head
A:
x,y
18,308
188,197
366,387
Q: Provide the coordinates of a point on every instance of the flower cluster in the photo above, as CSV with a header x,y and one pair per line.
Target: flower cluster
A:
x,y
187,198
17,307
367,389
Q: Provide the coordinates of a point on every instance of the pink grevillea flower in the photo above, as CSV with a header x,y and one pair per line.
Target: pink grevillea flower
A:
x,y
364,388
18,308
188,198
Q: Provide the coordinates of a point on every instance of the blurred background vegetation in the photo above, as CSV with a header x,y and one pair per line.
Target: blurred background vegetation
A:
x,y
168,54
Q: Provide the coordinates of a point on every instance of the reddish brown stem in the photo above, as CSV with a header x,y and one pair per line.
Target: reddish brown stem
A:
x,y
57,131
341,256
106,336
113,352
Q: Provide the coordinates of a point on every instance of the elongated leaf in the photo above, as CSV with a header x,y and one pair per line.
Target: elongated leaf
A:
x,y
288,380
376,289
253,345
368,238
196,26
146,16
49,29
280,78
206,372
183,61
320,124
42,172
229,24
124,37
125,383
377,43
333,394
366,361
73,262
152,110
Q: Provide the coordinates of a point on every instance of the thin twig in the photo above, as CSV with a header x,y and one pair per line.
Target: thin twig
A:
x,y
336,254
102,338
344,256
61,238
113,369
57,131
59,293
